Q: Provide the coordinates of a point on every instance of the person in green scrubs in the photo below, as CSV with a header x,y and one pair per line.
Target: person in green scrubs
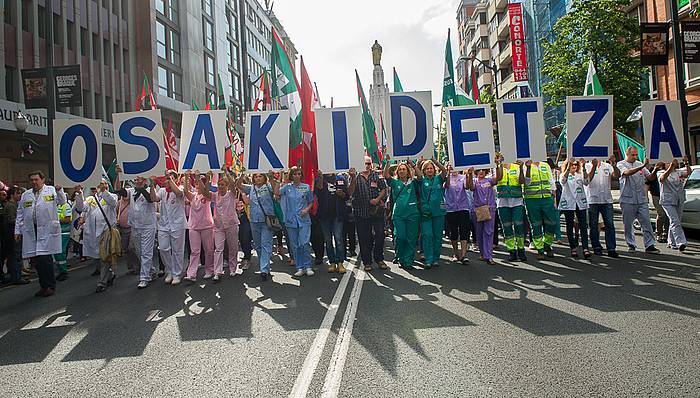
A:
x,y
432,208
65,217
405,215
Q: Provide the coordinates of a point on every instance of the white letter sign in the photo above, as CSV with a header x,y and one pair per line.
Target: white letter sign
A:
x,y
589,127
409,125
521,129
470,136
266,140
339,139
139,144
77,146
203,140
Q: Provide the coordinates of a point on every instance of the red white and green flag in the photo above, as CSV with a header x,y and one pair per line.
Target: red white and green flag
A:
x,y
263,100
285,92
368,128
145,101
309,101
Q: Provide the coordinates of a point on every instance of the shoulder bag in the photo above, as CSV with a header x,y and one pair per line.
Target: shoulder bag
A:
x,y
272,221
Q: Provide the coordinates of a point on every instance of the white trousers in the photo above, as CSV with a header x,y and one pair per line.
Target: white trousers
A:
x,y
143,239
171,246
632,212
676,236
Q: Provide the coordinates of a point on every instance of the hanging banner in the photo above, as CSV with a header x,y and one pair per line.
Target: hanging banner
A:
x,y
470,136
77,146
69,91
521,129
139,143
654,43
203,140
517,40
691,41
410,125
339,139
267,140
589,128
663,130
34,85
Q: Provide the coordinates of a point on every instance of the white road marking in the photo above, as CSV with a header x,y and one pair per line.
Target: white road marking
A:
x,y
301,386
335,369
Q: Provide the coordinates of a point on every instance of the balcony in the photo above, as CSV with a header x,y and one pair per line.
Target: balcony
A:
x,y
503,26
506,85
482,31
484,79
501,5
483,54
505,57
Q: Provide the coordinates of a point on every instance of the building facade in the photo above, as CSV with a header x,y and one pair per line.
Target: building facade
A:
x,y
98,35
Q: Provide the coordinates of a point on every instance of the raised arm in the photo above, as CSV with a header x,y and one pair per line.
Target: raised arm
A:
x,y
353,181
118,178
635,170
443,170
188,187
470,179
499,170
669,169
521,175
153,192
594,166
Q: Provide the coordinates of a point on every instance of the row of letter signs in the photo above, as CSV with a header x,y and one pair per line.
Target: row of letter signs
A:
x,y
409,125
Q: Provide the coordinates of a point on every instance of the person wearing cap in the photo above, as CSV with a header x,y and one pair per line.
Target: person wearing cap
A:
x,y
172,224
39,229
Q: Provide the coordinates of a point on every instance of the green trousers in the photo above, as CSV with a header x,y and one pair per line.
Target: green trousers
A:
x,y
432,229
61,258
513,227
406,235
543,221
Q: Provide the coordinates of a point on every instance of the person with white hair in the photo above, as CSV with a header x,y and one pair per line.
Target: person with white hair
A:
x,y
97,214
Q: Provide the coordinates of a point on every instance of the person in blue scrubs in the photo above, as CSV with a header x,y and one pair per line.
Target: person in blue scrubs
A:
x,y
261,205
297,200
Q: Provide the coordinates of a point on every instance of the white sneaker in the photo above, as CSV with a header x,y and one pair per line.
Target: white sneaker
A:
x,y
232,274
168,279
142,284
300,272
208,276
309,272
176,281
215,278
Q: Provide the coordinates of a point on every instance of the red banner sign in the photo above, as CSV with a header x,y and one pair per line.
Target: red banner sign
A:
x,y
517,41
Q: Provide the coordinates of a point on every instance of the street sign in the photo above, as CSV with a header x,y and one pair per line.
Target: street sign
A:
x,y
691,41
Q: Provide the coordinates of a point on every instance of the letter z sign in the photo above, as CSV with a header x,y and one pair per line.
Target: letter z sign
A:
x,y
589,129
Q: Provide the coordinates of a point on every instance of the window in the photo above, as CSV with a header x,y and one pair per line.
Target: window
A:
x,y
26,15
9,12
236,86
95,46
207,7
169,83
174,47
232,22
167,43
208,35
162,80
169,9
209,69
692,74
42,26
70,40
160,39
83,41
11,83
234,56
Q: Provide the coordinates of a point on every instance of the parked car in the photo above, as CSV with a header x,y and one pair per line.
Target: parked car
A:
x,y
691,211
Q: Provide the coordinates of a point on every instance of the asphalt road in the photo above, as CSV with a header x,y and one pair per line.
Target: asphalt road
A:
x,y
620,328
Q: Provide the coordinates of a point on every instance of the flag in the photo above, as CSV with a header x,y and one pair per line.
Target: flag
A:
x,y
452,95
382,152
308,127
369,131
625,142
471,85
398,88
285,91
593,86
194,106
221,100
110,174
172,154
263,101
145,101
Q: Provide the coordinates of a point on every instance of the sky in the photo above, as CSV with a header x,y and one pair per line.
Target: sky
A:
x,y
335,38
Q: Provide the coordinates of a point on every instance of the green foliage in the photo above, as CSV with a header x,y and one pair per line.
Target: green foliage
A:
x,y
601,30
486,96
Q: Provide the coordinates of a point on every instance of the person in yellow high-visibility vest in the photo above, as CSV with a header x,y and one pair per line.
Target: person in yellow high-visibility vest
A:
x,y
65,218
539,201
509,194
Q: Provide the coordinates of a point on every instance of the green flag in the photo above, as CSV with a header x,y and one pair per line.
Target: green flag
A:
x,y
451,94
285,91
398,88
625,142
221,103
368,128
593,87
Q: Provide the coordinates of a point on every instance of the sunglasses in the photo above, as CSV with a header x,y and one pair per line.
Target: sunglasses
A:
x,y
367,164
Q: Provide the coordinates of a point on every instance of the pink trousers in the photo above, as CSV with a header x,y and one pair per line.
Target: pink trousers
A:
x,y
221,237
199,237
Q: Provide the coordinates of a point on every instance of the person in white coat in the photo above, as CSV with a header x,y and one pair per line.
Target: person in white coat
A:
x,y
172,225
142,219
672,181
573,203
98,213
39,229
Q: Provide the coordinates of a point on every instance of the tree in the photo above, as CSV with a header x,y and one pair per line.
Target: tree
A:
x,y
488,97
601,30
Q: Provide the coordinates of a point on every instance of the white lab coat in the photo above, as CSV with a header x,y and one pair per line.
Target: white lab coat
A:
x,y
172,211
573,195
37,222
142,213
95,223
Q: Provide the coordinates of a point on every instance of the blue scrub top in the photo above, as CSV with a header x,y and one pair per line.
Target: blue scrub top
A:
x,y
260,198
296,197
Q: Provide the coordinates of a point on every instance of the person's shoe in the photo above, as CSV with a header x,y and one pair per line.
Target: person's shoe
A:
x,y
168,279
574,253
464,260
598,251
427,266
142,285
319,261
490,261
382,265
300,272
521,255
40,293
216,278
395,260
549,251
631,249
176,281
309,272
513,256
49,292
95,272
161,273
245,264
100,289
208,276
232,274
188,279
341,268
110,281
652,250
613,254
331,267
20,281
368,268
682,248
540,256
586,254
264,276
62,276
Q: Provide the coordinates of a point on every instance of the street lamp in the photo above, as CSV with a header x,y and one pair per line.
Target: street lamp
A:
x,y
21,123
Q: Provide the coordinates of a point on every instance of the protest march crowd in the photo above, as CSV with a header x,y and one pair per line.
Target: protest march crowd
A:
x,y
157,223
